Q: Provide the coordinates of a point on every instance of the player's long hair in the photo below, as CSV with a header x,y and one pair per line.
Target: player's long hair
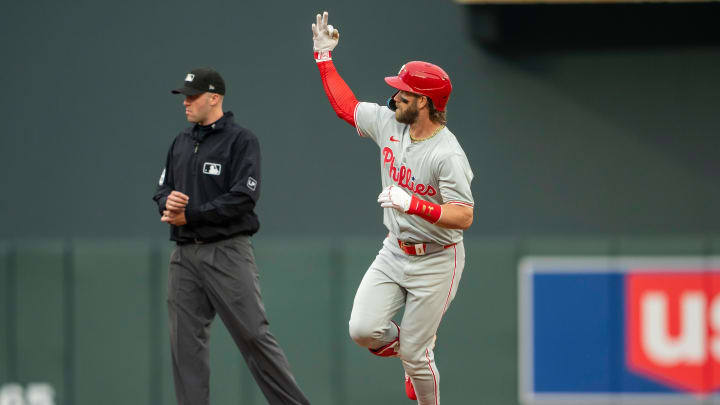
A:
x,y
438,117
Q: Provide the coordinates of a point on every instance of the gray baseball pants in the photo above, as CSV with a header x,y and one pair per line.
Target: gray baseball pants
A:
x,y
425,285
222,278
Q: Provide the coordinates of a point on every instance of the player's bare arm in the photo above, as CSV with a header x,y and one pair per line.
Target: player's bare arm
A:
x,y
455,217
325,39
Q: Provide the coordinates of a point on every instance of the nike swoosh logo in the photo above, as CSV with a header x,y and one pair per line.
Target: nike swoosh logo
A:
x,y
393,139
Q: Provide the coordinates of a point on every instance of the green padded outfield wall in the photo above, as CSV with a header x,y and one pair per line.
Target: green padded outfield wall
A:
x,y
88,317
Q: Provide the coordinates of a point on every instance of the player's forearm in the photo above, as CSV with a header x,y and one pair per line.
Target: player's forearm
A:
x,y
451,216
455,217
341,98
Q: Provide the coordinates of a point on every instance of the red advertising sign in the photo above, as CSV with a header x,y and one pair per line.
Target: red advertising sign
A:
x,y
673,327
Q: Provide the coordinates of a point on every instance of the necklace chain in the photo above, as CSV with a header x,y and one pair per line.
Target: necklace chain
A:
x,y
429,137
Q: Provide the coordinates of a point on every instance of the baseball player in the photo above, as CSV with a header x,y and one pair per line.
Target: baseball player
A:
x,y
428,203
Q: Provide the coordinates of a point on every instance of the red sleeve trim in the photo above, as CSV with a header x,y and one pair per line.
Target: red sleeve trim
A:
x,y
355,118
341,98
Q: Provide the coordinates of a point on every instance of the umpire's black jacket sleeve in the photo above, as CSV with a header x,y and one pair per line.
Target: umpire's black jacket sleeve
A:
x,y
166,183
244,190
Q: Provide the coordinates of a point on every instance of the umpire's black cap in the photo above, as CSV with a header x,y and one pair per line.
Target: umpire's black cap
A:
x,y
202,80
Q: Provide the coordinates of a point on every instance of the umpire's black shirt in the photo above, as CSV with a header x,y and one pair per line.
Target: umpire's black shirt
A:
x,y
218,167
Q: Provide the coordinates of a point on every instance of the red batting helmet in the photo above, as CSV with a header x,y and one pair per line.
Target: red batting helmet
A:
x,y
423,78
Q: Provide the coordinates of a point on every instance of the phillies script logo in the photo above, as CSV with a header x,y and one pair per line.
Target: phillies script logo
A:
x,y
673,328
403,177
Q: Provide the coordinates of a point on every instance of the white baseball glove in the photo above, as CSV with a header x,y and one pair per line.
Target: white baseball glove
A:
x,y
325,36
395,197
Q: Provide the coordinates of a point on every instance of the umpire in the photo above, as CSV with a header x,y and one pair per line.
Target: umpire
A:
x,y
207,193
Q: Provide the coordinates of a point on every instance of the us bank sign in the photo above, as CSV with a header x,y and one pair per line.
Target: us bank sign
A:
x,y
619,330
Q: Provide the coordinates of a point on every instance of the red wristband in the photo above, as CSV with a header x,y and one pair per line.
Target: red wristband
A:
x,y
322,56
425,209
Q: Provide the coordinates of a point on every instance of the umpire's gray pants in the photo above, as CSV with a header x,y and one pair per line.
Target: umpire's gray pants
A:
x,y
221,277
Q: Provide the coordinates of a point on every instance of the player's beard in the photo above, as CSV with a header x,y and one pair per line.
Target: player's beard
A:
x,y
409,116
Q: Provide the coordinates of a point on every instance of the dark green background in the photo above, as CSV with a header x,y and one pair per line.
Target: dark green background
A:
x,y
584,151
576,141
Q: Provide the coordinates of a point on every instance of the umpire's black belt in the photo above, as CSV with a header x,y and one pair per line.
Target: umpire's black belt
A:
x,y
199,241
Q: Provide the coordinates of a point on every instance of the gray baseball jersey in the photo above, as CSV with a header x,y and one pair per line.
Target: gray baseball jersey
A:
x,y
435,170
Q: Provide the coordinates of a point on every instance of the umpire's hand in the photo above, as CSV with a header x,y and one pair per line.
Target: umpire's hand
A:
x,y
176,201
176,218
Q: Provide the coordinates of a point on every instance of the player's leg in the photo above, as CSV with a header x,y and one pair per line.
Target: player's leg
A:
x,y
432,283
190,315
234,289
377,300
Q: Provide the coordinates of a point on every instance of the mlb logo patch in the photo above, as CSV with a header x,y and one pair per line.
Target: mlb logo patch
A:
x,y
190,77
212,168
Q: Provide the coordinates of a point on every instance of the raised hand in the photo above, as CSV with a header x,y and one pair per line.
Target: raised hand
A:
x,y
325,36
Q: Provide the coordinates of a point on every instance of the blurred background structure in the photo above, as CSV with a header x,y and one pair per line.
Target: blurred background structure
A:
x,y
592,129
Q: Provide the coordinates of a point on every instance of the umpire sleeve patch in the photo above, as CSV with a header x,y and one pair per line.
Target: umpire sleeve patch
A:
x,y
251,183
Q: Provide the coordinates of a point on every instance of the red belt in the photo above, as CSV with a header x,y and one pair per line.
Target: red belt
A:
x,y
419,249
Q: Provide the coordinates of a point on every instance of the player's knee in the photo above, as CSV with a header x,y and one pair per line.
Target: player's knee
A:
x,y
364,333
